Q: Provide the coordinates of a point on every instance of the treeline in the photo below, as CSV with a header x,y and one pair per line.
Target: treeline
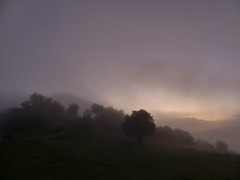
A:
x,y
168,135
43,115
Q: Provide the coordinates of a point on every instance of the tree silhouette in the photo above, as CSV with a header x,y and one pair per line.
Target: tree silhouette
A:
x,y
96,109
178,135
139,124
35,113
183,137
204,145
221,146
106,117
72,110
87,114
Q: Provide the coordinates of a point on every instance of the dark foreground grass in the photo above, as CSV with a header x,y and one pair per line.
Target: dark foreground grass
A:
x,y
81,156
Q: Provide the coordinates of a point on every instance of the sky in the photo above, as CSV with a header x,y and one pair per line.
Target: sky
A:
x,y
176,57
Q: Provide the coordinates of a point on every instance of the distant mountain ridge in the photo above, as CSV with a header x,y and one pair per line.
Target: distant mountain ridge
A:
x,y
226,130
190,124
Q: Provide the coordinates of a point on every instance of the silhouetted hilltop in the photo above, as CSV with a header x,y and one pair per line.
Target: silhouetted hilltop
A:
x,y
190,124
65,99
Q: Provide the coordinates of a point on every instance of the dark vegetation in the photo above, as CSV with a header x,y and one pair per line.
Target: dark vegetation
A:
x,y
42,139
140,124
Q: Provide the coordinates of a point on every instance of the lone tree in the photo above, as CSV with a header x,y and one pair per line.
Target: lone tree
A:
x,y
139,124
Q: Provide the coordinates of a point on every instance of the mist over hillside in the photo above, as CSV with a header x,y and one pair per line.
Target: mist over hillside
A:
x,y
194,125
50,138
15,100
66,99
11,100
227,130
119,89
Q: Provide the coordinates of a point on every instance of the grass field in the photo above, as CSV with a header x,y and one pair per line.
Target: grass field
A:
x,y
87,156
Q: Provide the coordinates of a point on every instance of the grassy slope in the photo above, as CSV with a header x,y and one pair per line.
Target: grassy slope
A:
x,y
84,156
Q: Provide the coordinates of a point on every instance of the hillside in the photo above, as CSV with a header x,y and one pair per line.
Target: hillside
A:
x,y
48,143
82,155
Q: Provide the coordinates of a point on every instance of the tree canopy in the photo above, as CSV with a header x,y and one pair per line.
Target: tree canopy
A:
x,y
106,117
221,146
177,135
73,110
35,113
139,123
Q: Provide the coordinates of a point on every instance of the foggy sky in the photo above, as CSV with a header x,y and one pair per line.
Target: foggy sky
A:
x,y
169,56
